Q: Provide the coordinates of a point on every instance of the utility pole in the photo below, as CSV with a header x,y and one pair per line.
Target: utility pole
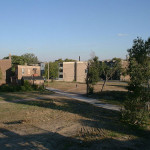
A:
x,y
87,80
48,73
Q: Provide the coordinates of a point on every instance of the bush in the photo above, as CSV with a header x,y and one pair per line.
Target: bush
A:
x,y
135,113
17,88
91,89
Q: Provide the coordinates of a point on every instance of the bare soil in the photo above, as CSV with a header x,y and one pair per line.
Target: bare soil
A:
x,y
48,121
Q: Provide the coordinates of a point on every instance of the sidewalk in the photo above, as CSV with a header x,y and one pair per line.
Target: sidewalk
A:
x,y
92,101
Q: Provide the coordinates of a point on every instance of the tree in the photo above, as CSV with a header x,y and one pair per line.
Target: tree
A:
x,y
53,70
139,70
30,58
69,60
109,69
93,73
16,60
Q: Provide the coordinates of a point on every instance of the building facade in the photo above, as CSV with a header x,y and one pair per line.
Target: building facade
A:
x,y
27,71
42,66
72,71
5,67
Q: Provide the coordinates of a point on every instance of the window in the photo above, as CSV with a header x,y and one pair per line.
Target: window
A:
x,y
60,65
60,76
61,70
23,70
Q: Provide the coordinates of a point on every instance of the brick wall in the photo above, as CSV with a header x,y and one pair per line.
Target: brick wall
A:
x,y
22,70
80,71
5,66
68,71
74,71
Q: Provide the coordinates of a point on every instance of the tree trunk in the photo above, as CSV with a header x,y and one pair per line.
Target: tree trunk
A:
x,y
104,84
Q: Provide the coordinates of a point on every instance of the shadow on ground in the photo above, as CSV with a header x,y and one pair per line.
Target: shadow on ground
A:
x,y
98,118
117,97
54,141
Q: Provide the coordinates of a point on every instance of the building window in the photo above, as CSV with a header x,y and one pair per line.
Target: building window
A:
x,y
60,65
61,70
60,76
23,71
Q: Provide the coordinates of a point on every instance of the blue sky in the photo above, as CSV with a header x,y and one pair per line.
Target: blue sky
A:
x,y
53,29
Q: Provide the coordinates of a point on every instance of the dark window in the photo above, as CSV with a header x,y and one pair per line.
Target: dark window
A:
x,y
60,76
61,65
61,70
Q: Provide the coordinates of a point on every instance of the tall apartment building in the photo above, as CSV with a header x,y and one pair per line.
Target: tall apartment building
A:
x,y
5,67
72,71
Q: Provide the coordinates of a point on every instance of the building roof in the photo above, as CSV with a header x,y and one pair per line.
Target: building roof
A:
x,y
31,78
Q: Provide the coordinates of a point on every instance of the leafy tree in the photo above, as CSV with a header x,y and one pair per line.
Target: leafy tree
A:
x,y
53,70
60,60
69,60
16,60
93,73
139,70
109,69
21,60
30,58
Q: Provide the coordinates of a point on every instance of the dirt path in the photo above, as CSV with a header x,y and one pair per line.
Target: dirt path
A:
x,y
86,99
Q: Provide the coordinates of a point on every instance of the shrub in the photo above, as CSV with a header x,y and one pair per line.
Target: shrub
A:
x,y
17,88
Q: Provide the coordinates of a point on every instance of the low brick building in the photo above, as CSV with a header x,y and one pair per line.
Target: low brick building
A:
x,y
5,67
72,71
27,71
38,80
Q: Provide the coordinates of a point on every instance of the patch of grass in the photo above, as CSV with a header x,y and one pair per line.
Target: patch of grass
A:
x,y
71,124
112,97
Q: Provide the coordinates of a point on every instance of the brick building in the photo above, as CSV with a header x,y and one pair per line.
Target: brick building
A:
x,y
26,71
5,67
72,71
75,71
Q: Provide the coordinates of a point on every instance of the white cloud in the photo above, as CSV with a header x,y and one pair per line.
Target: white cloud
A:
x,y
122,34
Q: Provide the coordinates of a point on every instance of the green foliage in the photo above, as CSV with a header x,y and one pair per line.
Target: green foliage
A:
x,y
60,60
28,58
139,70
53,70
69,60
18,88
110,69
91,89
93,74
16,60
94,71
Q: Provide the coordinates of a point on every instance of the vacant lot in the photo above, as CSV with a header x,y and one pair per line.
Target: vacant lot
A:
x,y
80,88
49,121
115,92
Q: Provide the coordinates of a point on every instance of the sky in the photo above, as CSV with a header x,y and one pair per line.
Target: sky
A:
x,y
53,29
